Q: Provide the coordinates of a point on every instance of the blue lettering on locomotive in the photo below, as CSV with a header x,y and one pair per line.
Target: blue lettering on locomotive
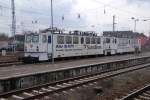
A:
x,y
59,46
65,46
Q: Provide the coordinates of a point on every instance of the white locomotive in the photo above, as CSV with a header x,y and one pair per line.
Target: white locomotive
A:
x,y
114,45
57,44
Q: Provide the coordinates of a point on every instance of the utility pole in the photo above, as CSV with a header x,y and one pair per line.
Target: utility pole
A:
x,y
52,14
135,22
114,17
13,24
52,31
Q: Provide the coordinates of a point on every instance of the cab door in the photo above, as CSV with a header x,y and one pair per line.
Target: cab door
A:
x,y
49,46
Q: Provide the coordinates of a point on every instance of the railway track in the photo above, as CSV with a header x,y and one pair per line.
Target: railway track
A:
x,y
141,94
9,63
44,91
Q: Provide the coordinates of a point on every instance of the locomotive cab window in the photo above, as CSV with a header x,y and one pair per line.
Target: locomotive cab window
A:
x,y
44,38
114,41
35,39
68,40
108,40
28,38
60,39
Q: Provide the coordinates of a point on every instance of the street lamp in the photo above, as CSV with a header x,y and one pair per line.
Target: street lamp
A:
x,y
135,21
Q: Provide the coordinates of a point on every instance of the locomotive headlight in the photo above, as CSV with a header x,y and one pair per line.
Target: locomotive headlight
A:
x,y
25,48
37,48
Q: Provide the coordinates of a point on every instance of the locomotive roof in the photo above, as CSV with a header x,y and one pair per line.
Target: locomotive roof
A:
x,y
120,34
75,32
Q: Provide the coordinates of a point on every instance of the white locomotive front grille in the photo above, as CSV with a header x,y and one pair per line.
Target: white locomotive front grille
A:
x,y
27,54
41,56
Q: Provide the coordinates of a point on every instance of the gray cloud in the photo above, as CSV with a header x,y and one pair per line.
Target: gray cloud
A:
x,y
139,2
28,11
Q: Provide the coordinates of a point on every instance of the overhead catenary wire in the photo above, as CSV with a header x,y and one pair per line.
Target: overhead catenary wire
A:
x,y
41,14
119,9
103,5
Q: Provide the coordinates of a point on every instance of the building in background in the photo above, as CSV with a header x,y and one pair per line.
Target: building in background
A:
x,y
19,42
8,44
144,39
3,45
3,41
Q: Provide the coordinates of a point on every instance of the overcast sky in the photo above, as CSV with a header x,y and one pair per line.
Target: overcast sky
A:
x,y
95,15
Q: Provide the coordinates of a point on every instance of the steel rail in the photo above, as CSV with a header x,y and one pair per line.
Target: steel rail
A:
x,y
138,94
